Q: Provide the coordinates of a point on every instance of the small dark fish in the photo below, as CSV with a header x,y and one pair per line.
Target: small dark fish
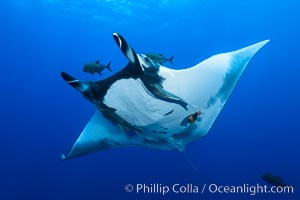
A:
x,y
95,67
159,58
273,180
190,119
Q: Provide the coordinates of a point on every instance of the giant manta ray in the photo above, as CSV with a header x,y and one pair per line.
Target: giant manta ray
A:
x,y
146,104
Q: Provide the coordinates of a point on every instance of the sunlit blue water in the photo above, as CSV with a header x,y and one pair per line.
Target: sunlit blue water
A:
x,y
41,116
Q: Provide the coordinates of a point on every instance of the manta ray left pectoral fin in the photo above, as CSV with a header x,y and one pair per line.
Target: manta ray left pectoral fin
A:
x,y
98,134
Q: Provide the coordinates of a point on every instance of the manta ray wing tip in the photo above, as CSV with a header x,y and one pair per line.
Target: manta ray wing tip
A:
x,y
262,43
265,41
63,157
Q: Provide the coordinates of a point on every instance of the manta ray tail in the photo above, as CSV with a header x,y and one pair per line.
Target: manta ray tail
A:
x,y
191,163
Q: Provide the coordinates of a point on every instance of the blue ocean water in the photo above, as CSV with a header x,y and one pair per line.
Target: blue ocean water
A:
x,y
257,132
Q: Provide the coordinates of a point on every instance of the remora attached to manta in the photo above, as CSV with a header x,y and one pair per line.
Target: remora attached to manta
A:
x,y
149,105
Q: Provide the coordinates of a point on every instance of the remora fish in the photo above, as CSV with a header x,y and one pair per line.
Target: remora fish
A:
x,y
159,58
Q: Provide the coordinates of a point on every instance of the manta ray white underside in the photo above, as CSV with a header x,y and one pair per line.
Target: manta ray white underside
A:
x,y
205,88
